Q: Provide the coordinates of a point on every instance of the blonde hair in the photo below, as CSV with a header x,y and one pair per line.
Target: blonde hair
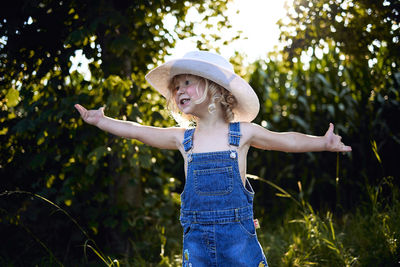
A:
x,y
217,93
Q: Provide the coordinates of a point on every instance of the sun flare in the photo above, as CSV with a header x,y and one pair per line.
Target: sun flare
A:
x,y
256,19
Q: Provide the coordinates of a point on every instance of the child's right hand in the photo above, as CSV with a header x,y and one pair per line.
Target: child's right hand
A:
x,y
164,138
90,116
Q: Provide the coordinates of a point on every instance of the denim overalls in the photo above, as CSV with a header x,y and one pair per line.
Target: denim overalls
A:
x,y
217,210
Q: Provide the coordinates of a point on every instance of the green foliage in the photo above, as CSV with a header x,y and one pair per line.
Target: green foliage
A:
x,y
305,98
377,226
321,77
125,195
122,192
361,28
367,237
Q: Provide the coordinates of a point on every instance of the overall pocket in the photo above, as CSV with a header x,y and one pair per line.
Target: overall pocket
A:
x,y
213,182
247,227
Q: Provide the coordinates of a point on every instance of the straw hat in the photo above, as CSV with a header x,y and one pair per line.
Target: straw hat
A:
x,y
215,68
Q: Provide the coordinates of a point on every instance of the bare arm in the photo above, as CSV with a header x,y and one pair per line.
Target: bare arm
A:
x,y
165,138
262,138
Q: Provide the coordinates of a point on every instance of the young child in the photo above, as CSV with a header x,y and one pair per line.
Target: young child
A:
x,y
217,201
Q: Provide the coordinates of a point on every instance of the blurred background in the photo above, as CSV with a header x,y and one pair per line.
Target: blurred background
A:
x,y
72,195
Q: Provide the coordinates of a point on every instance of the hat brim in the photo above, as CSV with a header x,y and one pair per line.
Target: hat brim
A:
x,y
248,104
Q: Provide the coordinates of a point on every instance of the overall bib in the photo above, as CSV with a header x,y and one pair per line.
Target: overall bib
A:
x,y
217,209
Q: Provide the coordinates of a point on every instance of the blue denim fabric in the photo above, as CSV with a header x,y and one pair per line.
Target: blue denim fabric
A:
x,y
217,210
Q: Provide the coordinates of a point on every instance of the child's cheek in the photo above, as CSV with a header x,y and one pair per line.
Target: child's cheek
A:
x,y
192,91
176,99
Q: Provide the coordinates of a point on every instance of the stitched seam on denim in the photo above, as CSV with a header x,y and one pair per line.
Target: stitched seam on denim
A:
x,y
212,153
244,189
210,161
229,185
215,244
218,217
191,218
215,170
187,217
219,221
187,139
188,133
245,230
241,209
251,193
195,161
234,134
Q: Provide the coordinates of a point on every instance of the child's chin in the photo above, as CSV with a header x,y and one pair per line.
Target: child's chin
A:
x,y
185,109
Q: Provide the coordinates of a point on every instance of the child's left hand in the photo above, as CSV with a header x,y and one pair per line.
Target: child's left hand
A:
x,y
334,142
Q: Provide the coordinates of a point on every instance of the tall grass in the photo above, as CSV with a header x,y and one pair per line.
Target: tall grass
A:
x,y
52,260
369,236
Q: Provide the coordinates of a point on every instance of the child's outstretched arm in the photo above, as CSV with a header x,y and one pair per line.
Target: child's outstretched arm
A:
x,y
262,138
166,138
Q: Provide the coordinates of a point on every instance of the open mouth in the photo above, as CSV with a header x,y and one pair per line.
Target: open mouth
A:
x,y
184,101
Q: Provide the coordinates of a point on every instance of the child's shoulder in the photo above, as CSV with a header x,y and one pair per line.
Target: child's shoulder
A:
x,y
246,126
176,134
247,130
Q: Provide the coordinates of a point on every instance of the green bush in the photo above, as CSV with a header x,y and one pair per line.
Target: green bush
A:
x,y
369,236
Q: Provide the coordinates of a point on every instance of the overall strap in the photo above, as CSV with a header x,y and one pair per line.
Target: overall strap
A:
x,y
188,139
234,133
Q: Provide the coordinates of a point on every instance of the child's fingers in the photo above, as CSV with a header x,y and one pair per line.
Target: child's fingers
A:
x,y
80,109
329,132
343,148
346,148
331,127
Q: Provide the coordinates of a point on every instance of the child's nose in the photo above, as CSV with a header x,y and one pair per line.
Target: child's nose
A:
x,y
182,89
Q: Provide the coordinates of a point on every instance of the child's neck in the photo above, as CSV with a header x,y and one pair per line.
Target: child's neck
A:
x,y
211,121
211,135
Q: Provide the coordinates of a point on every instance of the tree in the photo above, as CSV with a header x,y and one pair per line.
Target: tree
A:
x,y
341,64
116,188
360,29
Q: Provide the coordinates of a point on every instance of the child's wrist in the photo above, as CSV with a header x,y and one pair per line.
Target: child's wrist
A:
x,y
100,122
325,143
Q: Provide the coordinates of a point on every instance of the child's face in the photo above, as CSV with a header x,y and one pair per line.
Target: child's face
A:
x,y
187,90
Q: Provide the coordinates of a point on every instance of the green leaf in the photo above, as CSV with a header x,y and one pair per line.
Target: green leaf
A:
x,y
12,97
375,150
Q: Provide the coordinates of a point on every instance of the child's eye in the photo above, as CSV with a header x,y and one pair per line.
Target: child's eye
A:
x,y
187,82
177,88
